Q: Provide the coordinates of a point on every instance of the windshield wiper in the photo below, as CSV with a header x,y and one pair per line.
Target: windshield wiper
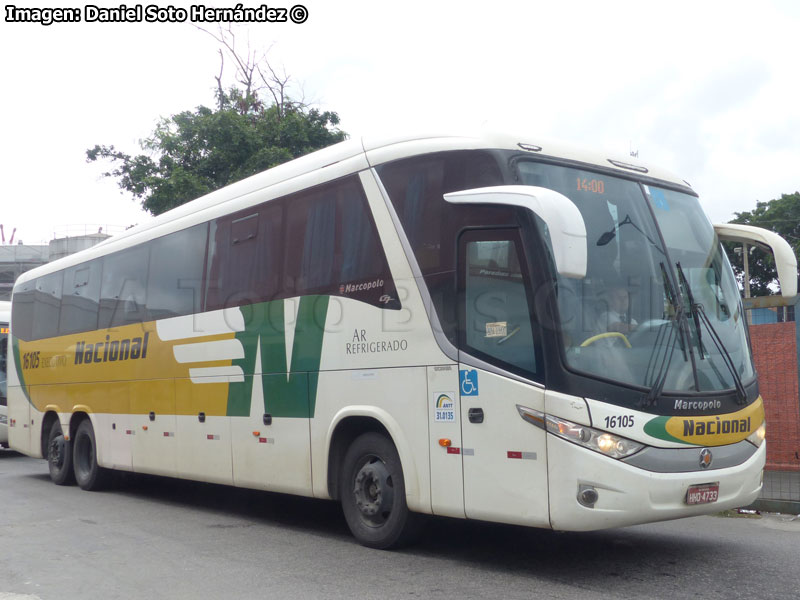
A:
x,y
699,315
673,337
663,369
692,309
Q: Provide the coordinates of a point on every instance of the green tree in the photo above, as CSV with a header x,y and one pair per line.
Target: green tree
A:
x,y
255,125
781,216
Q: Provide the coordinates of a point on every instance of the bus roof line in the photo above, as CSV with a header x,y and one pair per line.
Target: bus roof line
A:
x,y
375,150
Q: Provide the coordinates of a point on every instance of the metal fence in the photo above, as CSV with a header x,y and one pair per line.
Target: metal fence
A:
x,y
776,350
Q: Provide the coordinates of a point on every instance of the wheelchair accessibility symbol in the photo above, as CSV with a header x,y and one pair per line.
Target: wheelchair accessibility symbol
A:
x,y
469,382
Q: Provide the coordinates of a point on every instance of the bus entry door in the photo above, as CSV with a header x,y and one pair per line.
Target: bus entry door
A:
x,y
504,457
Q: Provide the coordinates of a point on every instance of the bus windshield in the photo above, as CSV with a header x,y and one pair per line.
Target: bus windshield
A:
x,y
659,307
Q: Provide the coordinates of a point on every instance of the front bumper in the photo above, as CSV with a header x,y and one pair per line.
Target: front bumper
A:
x,y
628,495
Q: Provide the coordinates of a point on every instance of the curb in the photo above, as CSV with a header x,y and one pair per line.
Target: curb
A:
x,y
787,507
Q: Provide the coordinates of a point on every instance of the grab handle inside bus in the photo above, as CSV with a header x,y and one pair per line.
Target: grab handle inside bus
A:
x,y
563,219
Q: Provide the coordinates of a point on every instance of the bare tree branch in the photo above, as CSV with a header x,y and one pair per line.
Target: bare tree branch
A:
x,y
254,73
220,90
276,85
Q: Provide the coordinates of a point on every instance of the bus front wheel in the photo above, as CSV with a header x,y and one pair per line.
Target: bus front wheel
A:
x,y
59,457
373,493
89,475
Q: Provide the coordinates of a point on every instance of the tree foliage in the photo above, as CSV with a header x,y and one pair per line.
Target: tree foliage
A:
x,y
781,216
255,125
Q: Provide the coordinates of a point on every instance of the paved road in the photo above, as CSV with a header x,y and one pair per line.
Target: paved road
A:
x,y
156,538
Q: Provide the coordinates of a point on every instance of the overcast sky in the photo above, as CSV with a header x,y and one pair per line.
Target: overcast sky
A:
x,y
707,89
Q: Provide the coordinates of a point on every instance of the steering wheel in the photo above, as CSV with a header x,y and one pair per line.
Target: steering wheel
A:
x,y
602,336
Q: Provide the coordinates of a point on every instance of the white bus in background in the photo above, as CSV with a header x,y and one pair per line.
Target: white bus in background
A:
x,y
5,317
486,327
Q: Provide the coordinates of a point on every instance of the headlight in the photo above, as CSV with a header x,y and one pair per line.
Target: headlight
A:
x,y
758,435
588,437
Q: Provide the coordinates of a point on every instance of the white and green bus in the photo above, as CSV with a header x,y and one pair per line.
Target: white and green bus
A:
x,y
485,327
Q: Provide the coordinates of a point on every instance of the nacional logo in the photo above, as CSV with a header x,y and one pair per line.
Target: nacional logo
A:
x,y
710,430
111,350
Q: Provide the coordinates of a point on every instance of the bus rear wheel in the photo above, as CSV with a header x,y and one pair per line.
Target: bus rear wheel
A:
x,y
373,493
59,457
89,475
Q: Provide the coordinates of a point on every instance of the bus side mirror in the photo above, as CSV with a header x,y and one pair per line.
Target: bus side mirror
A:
x,y
785,260
562,217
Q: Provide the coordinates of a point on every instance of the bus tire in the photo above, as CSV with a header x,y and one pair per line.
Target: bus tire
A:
x,y
59,457
373,495
89,475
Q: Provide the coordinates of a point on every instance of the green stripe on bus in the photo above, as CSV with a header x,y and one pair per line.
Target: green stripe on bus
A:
x,y
289,390
18,366
657,428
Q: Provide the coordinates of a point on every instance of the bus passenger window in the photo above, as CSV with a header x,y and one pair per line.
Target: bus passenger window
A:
x,y
22,310
244,257
175,277
362,255
319,244
80,298
333,246
124,288
47,305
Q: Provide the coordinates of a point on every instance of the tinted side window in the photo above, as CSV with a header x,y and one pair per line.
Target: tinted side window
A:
x,y
175,276
362,253
22,310
245,256
333,246
123,291
47,305
319,241
313,220
80,297
416,187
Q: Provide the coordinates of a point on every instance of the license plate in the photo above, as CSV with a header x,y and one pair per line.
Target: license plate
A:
x,y
703,493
